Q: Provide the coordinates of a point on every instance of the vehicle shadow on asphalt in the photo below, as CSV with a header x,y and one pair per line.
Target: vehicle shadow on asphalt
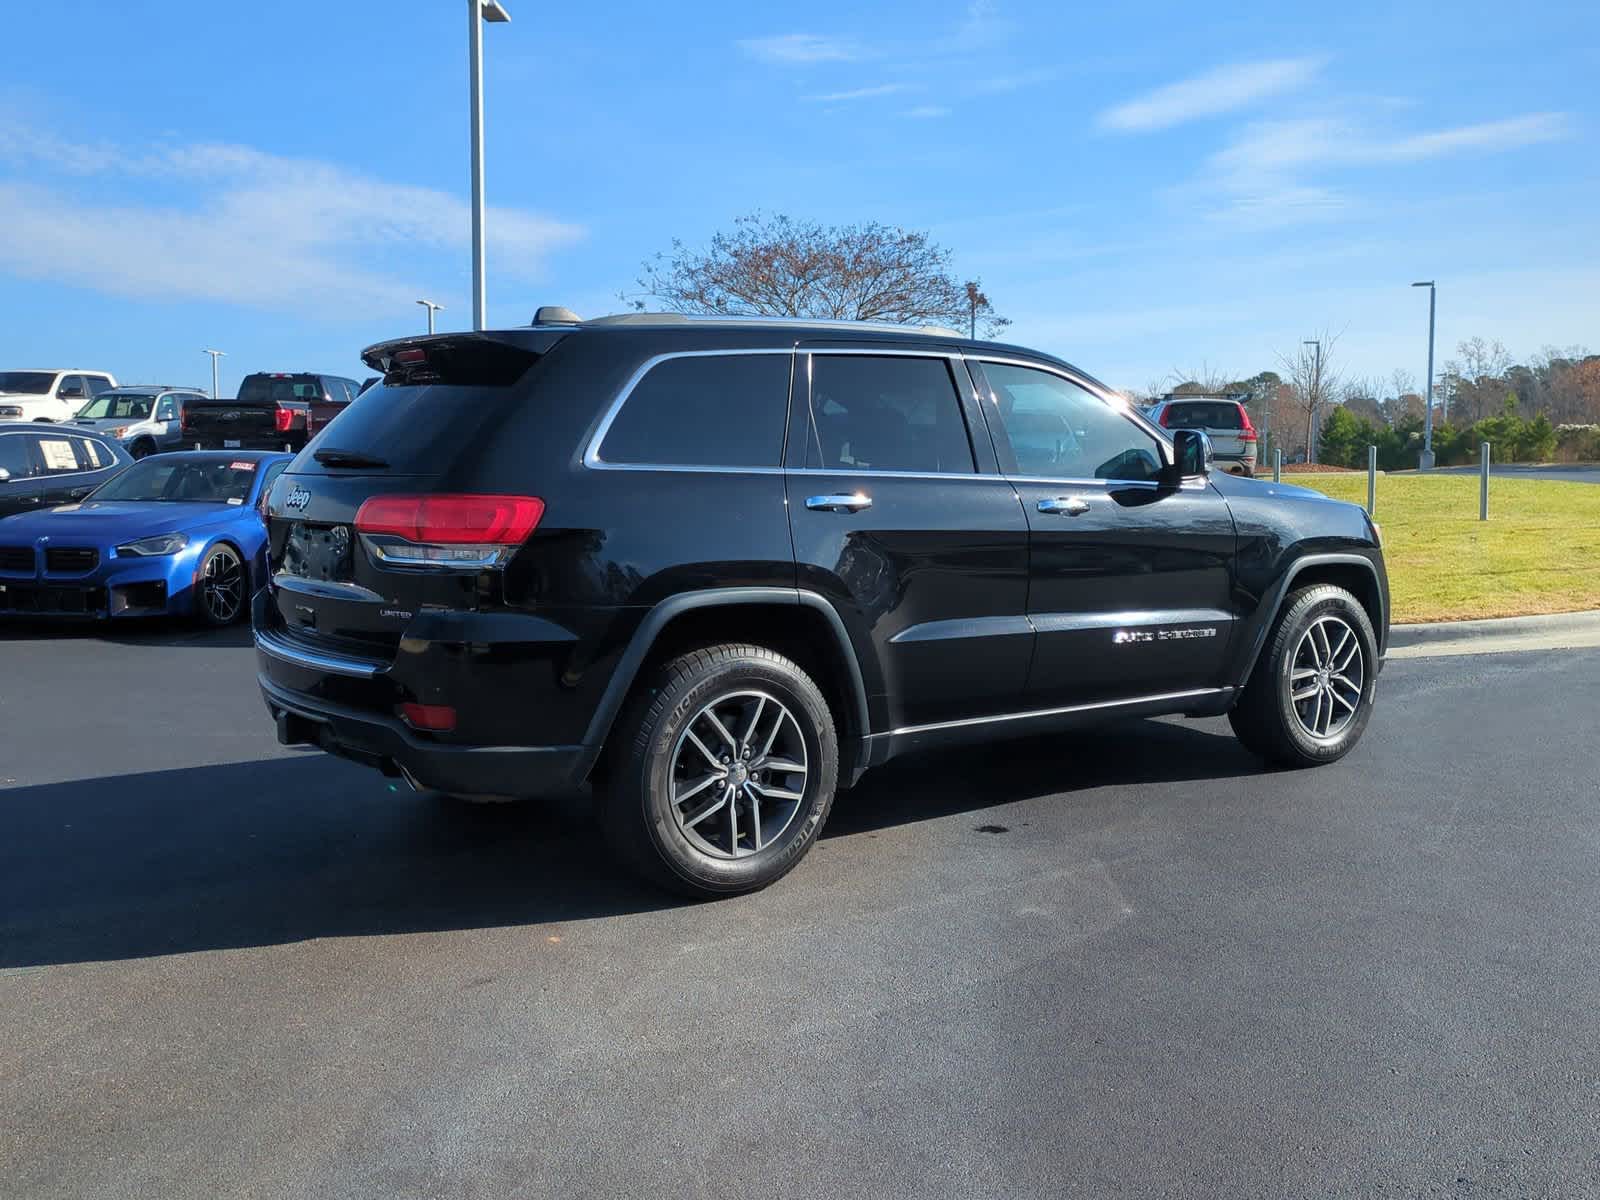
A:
x,y
286,849
142,631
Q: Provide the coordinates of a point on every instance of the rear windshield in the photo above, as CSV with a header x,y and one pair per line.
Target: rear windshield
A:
x,y
1217,414
26,383
412,429
130,406
258,389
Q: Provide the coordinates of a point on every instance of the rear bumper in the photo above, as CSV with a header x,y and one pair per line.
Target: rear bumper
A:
x,y
389,746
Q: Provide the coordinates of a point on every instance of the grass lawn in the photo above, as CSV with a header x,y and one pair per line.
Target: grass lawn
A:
x,y
1539,551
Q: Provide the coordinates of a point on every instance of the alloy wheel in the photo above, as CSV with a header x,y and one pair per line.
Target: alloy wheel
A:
x,y
1327,677
222,587
738,774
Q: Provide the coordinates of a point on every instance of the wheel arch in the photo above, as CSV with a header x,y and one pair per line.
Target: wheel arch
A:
x,y
1355,573
799,624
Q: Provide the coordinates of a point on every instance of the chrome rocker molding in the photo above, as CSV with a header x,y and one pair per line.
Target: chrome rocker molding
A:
x,y
1195,702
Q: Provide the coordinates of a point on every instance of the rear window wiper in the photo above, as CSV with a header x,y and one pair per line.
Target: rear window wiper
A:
x,y
347,458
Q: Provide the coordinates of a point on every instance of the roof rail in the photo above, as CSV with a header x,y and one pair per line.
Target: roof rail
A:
x,y
676,318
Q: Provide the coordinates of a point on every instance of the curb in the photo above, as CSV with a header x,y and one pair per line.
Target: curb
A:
x,y
1499,627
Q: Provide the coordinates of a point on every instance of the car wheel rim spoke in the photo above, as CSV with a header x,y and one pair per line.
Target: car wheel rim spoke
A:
x,y
223,587
756,782
1327,677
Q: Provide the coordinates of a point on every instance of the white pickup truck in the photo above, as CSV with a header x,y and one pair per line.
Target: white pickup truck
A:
x,y
49,395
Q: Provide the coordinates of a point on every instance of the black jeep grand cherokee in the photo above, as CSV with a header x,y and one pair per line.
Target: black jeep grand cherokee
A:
x,y
721,568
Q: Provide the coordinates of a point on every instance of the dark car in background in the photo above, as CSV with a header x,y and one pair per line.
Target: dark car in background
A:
x,y
1224,419
43,464
145,419
279,410
722,567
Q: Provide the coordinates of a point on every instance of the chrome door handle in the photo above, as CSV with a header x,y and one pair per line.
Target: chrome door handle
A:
x,y
839,504
1072,506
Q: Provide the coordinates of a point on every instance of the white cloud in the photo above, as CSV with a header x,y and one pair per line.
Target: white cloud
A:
x,y
861,93
802,48
1217,91
1015,82
1274,146
1258,173
262,230
926,112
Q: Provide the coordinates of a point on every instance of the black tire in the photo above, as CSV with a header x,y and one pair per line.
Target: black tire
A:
x,y
1269,721
221,563
651,740
143,448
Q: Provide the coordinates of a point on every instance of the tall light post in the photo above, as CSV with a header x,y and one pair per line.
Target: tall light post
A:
x,y
215,354
1313,402
478,11
432,308
1425,463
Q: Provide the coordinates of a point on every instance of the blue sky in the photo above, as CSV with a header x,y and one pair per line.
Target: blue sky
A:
x,y
1141,187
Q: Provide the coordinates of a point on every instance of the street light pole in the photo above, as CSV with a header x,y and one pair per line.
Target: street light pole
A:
x,y
1313,402
1425,463
432,308
215,354
478,11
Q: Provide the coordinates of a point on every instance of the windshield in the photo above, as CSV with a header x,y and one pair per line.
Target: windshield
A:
x,y
26,383
121,406
167,478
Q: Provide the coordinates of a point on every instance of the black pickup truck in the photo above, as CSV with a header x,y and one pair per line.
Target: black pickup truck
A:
x,y
273,411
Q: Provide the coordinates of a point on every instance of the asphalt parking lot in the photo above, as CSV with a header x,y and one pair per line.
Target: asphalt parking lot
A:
x,y
1125,963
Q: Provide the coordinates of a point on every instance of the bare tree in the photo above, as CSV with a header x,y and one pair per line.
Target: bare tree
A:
x,y
1477,379
1206,381
1362,397
1403,399
1312,382
781,267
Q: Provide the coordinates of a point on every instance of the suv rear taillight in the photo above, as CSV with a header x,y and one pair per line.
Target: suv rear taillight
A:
x,y
1249,434
465,531
282,418
1165,413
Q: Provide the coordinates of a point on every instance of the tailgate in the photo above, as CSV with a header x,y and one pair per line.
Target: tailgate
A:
x,y
230,418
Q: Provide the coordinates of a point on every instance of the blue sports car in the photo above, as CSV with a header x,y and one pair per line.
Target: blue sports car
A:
x,y
174,533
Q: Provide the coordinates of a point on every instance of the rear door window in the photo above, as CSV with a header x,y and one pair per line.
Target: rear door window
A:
x,y
712,410
58,455
1194,414
888,413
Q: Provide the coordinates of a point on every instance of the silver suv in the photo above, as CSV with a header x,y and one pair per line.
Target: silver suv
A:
x,y
1224,419
146,420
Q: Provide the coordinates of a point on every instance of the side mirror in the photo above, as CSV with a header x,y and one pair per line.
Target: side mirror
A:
x,y
1191,453
5,475
70,394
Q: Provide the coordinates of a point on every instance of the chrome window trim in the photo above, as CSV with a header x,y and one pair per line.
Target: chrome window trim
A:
x,y
869,474
1119,406
591,452
1161,697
